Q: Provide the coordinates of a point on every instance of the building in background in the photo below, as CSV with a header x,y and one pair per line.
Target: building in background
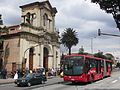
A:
x,y
34,42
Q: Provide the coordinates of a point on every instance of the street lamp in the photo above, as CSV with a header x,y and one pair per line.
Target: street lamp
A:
x,y
92,44
28,49
24,59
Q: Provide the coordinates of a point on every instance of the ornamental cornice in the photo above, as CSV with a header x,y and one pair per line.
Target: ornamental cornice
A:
x,y
31,26
30,37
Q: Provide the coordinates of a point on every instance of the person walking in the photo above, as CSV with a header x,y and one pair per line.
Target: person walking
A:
x,y
4,73
16,75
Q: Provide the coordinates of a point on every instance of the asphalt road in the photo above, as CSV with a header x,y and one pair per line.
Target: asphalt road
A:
x,y
109,83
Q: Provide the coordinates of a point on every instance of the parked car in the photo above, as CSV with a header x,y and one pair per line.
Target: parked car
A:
x,y
31,79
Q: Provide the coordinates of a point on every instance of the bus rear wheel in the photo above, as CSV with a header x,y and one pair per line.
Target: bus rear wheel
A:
x,y
73,82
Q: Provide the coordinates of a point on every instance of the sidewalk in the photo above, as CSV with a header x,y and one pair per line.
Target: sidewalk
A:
x,y
6,81
49,81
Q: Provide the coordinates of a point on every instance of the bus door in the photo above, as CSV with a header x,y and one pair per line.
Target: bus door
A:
x,y
98,66
87,65
108,67
90,64
105,68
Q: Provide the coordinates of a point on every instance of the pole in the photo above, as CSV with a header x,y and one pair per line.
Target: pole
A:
x,y
28,49
99,33
23,61
91,45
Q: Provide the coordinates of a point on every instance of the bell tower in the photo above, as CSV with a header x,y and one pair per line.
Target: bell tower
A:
x,y
40,15
38,28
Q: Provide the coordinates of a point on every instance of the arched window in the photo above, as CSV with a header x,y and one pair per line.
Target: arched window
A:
x,y
45,17
28,17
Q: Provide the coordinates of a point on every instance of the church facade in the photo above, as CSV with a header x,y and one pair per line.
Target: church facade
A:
x,y
35,42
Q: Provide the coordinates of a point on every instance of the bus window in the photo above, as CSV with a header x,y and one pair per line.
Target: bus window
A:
x,y
102,64
87,65
92,63
73,65
107,66
97,66
111,66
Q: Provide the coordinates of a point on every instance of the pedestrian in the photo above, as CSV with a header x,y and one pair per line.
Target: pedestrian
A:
x,y
27,71
19,73
16,75
4,73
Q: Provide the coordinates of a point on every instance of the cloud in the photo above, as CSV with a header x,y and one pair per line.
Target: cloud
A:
x,y
83,16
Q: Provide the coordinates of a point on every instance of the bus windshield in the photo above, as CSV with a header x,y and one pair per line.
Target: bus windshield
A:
x,y
73,65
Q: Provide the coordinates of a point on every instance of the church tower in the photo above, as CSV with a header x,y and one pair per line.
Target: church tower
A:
x,y
39,15
39,37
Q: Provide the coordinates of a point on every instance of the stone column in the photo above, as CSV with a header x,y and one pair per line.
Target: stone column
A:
x,y
54,57
41,55
53,24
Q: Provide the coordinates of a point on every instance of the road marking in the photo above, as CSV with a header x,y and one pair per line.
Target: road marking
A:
x,y
114,81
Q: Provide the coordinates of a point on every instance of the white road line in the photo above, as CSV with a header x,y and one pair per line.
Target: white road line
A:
x,y
114,81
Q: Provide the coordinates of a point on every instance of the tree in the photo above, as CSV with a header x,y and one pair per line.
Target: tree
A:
x,y
3,30
100,55
69,38
112,7
81,50
109,56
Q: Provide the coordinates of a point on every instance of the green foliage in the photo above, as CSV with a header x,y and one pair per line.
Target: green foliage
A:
x,y
100,55
4,29
112,7
69,38
81,50
118,65
108,56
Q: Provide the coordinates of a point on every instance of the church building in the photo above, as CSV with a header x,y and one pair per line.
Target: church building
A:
x,y
35,42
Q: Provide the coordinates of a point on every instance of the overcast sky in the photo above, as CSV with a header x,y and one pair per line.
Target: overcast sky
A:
x,y
81,15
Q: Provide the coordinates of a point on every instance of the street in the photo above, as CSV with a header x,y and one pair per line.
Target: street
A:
x,y
109,83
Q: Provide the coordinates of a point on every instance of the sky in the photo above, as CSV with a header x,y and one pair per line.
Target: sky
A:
x,y
81,15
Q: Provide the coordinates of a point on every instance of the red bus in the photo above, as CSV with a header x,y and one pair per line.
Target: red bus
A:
x,y
85,68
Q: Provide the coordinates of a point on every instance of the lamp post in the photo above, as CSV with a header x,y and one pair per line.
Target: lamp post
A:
x,y
92,44
24,59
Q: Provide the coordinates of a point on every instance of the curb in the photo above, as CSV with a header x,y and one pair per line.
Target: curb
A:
x,y
43,85
6,83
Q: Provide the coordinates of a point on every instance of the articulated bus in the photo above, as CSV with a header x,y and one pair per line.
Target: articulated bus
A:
x,y
85,68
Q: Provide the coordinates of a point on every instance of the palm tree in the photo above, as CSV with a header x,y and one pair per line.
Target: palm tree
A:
x,y
69,38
